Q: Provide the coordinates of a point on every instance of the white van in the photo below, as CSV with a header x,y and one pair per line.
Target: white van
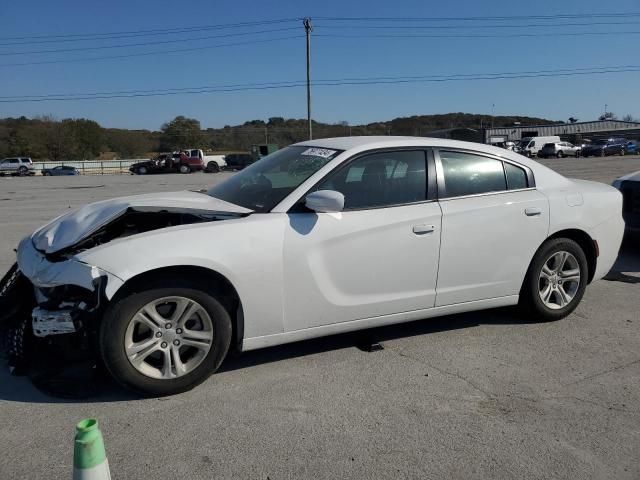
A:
x,y
530,146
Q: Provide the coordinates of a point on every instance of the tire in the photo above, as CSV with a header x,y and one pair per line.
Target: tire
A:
x,y
46,174
577,154
22,171
622,152
120,320
603,153
142,171
184,169
534,285
213,167
560,154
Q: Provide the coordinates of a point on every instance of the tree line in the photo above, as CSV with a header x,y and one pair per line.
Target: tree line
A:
x,y
47,138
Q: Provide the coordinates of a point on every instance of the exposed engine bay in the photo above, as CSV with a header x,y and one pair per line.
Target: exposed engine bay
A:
x,y
139,220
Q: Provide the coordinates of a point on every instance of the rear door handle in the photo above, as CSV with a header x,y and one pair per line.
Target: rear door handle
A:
x,y
532,211
423,229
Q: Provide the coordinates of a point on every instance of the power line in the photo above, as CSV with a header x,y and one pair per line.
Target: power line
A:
x,y
347,81
155,31
80,37
484,18
140,44
609,69
447,27
497,35
157,52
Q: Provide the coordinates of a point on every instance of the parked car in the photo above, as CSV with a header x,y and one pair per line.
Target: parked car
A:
x,y
238,161
60,170
604,147
210,163
322,237
560,149
530,146
629,185
16,166
631,148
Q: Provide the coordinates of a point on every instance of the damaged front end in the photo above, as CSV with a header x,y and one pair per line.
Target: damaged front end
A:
x,y
51,298
42,302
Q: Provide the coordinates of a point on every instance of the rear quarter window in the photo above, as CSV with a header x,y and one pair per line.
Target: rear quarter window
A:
x,y
471,174
516,177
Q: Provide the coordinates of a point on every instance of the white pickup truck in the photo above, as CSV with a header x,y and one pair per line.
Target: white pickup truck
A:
x,y
212,163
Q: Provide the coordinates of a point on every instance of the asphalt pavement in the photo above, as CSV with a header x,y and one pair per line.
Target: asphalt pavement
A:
x,y
477,395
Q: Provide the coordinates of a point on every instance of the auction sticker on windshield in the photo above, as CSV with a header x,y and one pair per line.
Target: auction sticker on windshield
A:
x,y
319,152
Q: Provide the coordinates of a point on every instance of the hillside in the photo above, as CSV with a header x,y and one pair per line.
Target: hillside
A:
x,y
48,138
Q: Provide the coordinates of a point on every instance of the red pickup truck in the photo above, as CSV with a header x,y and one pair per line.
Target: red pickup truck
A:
x,y
169,163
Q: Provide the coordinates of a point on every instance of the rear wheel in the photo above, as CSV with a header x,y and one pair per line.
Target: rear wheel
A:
x,y
556,280
560,154
185,169
166,338
213,167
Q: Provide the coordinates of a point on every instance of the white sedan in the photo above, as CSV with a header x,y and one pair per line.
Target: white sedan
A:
x,y
318,238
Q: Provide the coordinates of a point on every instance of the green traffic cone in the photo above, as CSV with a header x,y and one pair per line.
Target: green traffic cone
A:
x,y
89,458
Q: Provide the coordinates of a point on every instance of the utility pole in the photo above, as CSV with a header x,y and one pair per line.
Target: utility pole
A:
x,y
308,29
266,135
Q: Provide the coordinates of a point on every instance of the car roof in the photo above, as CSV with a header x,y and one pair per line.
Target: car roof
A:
x,y
357,144
354,145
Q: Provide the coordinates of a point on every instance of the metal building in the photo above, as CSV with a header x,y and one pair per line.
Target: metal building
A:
x,y
572,132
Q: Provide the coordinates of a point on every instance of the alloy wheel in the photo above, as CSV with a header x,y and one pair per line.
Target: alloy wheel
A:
x,y
169,337
559,280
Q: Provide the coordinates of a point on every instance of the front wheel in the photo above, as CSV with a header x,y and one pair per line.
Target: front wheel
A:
x,y
166,338
22,171
556,280
141,171
560,154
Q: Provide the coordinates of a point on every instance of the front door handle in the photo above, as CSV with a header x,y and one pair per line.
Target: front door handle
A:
x,y
532,211
423,229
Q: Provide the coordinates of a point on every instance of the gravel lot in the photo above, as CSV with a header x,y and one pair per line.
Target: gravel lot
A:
x,y
479,395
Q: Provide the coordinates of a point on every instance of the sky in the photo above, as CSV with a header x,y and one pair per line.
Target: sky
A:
x,y
242,55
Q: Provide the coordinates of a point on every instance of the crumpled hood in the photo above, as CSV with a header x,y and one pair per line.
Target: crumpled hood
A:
x,y
72,227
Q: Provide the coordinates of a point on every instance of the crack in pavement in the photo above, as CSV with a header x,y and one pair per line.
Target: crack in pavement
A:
x,y
595,375
444,372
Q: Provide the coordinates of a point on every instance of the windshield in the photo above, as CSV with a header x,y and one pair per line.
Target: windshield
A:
x,y
524,142
264,184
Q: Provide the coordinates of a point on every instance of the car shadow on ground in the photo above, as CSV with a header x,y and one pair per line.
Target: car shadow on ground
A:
x,y
84,382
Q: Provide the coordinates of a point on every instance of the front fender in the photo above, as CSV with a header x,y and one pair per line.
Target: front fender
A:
x,y
247,251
